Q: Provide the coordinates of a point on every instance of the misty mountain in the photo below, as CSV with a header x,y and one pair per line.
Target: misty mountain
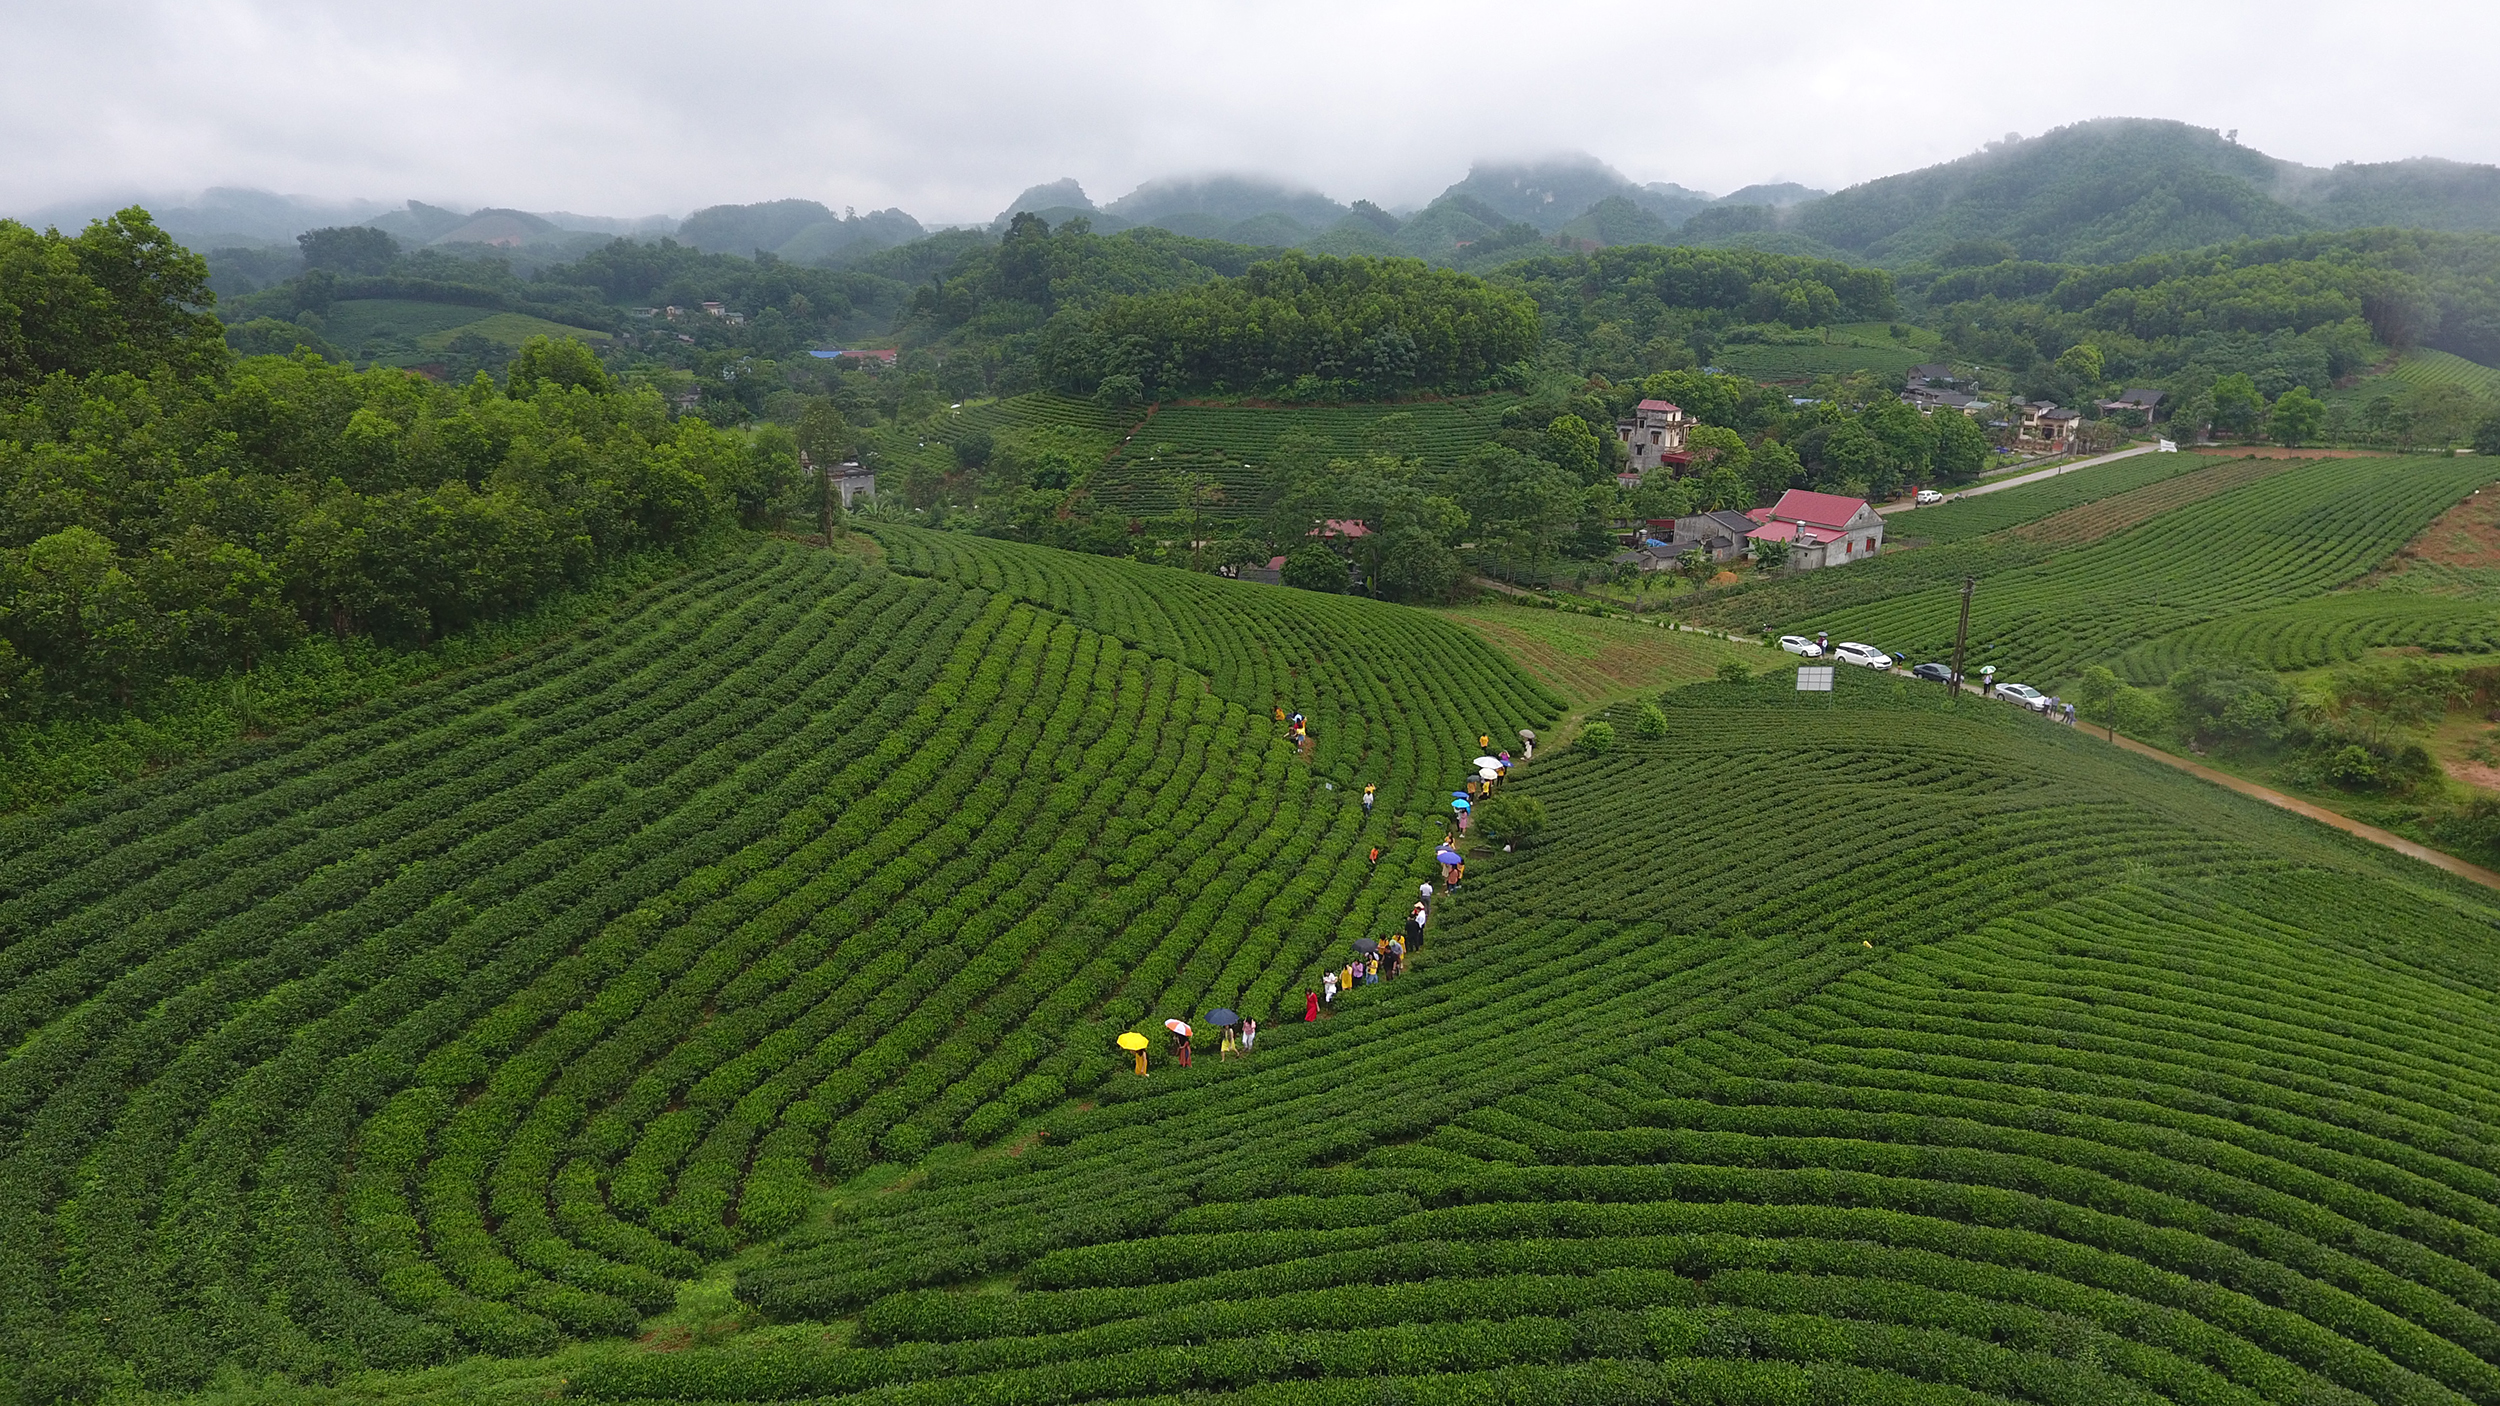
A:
x,y
1778,196
2118,188
1550,194
802,231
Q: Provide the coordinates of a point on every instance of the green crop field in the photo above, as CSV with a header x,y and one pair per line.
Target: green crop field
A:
x,y
2050,603
1990,1064
2425,367
431,326
1764,362
2329,629
717,1004
479,1018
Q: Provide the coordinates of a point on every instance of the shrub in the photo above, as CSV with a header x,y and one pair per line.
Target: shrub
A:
x,y
1649,722
1512,818
1597,739
1730,671
1314,568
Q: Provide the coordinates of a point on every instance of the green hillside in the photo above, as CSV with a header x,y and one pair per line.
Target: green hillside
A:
x,y
739,974
1992,1064
481,1016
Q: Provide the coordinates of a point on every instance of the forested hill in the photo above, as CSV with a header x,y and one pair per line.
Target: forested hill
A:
x,y
2120,188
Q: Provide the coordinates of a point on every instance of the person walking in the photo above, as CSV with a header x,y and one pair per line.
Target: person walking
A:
x,y
1375,856
1328,988
1423,891
1249,1033
1483,740
1230,1045
1310,1006
1183,1048
1527,740
1458,873
1465,809
2070,715
1368,793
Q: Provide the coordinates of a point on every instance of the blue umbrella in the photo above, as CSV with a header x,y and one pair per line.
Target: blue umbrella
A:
x,y
1222,1016
1449,856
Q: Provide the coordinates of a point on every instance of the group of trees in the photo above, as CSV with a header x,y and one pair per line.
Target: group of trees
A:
x,y
1640,308
173,510
1299,327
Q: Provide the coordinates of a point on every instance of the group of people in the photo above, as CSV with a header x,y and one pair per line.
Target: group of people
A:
x,y
1239,1036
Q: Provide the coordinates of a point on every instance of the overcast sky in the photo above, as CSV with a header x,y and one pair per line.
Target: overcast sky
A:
x,y
948,108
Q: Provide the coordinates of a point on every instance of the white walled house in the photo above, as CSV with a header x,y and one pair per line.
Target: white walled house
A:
x,y
1821,529
1654,436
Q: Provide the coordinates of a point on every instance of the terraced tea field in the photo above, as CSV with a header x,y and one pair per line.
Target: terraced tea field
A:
x,y
2092,582
769,939
477,1019
1989,1064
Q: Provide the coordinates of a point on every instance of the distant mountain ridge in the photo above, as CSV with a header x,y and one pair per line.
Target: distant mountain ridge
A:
x,y
2101,191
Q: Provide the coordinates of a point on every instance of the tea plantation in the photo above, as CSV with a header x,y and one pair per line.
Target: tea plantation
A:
x,y
1986,1063
2232,559
769,938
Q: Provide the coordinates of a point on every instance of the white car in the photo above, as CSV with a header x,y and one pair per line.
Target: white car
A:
x,y
1928,495
1852,652
1799,644
2024,694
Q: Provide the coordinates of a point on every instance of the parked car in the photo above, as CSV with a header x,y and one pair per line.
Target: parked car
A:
x,y
2024,694
1852,652
1929,495
1799,644
1933,673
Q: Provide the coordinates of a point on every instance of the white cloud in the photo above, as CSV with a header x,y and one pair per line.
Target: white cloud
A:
x,y
948,107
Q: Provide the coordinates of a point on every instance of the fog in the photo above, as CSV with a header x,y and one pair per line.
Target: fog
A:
x,y
948,108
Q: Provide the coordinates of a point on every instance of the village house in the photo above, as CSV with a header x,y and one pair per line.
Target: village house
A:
x,y
1654,436
1926,400
1821,529
850,480
2139,400
2047,428
1933,374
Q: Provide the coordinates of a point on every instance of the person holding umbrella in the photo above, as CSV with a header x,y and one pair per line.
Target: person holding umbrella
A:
x,y
1180,1046
1449,859
1135,1044
1527,741
1226,1019
1463,806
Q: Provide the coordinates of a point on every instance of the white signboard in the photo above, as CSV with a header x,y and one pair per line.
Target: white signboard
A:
x,y
1815,678
2166,446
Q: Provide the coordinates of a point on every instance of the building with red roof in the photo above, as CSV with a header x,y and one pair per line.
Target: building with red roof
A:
x,y
1821,529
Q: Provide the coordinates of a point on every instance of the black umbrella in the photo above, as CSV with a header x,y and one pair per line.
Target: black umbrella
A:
x,y
1365,944
1223,1016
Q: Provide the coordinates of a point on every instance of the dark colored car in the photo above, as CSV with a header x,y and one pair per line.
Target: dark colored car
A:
x,y
1933,673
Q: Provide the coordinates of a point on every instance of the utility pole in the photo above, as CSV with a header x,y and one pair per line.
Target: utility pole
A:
x,y
824,501
1961,634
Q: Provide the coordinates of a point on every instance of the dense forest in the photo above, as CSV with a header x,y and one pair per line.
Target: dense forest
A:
x,y
174,510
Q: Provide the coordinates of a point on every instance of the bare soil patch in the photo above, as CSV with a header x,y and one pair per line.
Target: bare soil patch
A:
x,y
2465,535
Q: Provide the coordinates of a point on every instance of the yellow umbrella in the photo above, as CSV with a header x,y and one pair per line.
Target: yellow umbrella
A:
x,y
1136,1044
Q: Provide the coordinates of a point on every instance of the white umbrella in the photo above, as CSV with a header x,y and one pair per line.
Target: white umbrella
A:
x,y
1486,761
1487,773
